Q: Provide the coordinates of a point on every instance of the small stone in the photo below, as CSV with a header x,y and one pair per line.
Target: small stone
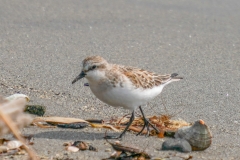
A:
x,y
108,150
57,155
177,144
183,155
77,125
158,148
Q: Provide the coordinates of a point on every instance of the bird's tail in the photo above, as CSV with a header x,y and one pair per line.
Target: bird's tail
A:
x,y
174,77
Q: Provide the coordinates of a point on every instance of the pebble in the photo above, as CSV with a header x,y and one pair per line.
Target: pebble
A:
x,y
108,150
177,144
183,155
78,125
57,155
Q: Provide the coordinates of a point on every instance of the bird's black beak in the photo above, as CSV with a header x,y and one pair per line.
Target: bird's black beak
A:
x,y
80,76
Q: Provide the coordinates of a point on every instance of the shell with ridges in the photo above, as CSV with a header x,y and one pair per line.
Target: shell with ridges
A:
x,y
14,144
198,135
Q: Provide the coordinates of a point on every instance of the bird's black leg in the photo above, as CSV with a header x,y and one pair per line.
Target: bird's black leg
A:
x,y
124,131
146,124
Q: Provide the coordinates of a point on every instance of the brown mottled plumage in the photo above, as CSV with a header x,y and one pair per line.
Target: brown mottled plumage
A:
x,y
93,59
143,78
122,86
140,78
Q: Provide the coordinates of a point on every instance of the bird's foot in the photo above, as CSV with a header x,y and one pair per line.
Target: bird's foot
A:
x,y
147,124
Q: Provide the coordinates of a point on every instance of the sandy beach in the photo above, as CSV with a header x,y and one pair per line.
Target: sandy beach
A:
x,y
42,45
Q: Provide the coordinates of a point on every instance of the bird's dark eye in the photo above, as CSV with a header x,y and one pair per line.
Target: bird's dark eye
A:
x,y
94,66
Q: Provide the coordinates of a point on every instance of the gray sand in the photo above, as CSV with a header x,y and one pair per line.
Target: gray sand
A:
x,y
42,44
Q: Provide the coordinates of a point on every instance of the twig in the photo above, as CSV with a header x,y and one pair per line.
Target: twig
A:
x,y
15,132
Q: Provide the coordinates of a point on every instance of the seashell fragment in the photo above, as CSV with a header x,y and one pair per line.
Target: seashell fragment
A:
x,y
84,146
16,96
198,135
14,144
177,144
72,148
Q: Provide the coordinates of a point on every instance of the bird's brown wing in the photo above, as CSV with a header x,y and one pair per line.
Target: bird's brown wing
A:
x,y
144,79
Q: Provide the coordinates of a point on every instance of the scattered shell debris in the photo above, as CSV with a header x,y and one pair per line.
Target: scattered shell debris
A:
x,y
12,119
167,126
187,137
12,147
78,145
13,107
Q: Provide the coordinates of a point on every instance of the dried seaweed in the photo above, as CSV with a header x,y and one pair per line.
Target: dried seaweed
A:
x,y
126,152
13,118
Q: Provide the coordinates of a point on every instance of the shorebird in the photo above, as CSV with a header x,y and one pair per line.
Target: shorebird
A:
x,y
123,86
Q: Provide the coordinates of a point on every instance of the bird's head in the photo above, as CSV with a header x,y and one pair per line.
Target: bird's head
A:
x,y
92,67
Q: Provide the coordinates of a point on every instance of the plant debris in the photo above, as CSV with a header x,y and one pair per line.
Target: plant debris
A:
x,y
12,119
13,108
95,121
166,126
95,125
54,121
164,123
126,152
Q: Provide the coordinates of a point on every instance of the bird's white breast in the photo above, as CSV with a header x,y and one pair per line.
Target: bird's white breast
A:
x,y
127,96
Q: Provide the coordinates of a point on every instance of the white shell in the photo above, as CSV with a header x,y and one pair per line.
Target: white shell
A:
x,y
16,96
14,144
72,148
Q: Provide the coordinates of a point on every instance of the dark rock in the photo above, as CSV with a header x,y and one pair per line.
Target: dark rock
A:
x,y
177,144
78,125
35,109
